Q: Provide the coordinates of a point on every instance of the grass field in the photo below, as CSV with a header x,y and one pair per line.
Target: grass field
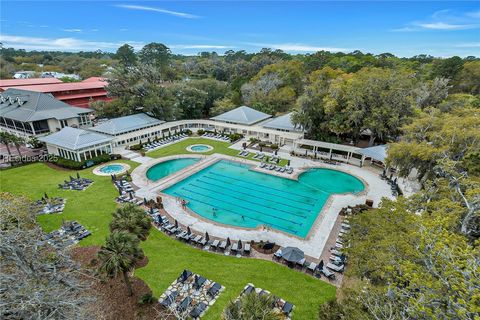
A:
x,y
218,147
167,257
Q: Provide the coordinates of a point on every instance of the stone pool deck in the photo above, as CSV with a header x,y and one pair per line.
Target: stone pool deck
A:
x,y
313,245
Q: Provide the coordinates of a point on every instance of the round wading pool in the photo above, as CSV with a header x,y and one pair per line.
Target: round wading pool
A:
x,y
111,168
199,148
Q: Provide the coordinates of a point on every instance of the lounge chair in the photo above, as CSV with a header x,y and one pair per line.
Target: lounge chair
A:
x,y
301,263
287,308
312,266
246,249
263,165
214,290
223,245
290,170
329,274
336,252
184,276
197,239
278,254
169,299
198,310
183,306
199,282
215,244
234,247
336,268
248,289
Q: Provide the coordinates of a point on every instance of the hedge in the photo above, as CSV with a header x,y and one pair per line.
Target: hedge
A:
x,y
75,165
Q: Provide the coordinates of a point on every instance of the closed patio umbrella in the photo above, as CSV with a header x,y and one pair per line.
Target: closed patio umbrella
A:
x,y
228,241
145,201
207,237
120,191
45,195
292,254
151,210
78,175
176,223
239,244
288,163
131,195
188,230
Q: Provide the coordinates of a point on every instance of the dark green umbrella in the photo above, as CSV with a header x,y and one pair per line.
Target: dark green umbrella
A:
x,y
240,244
78,175
207,237
228,242
292,254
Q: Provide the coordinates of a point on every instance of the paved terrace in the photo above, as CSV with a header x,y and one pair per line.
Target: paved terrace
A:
x,y
315,241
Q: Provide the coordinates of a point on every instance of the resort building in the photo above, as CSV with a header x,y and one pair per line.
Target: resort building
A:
x,y
282,123
131,129
28,113
242,115
77,144
11,83
78,94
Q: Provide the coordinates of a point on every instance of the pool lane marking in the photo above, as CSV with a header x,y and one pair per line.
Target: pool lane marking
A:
x,y
243,207
263,186
245,200
236,213
250,195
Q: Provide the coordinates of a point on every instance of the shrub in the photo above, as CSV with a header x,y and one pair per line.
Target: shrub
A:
x,y
235,137
136,147
187,132
75,165
274,147
147,298
200,132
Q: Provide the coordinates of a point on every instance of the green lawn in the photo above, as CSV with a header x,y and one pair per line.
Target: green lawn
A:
x,y
218,147
167,257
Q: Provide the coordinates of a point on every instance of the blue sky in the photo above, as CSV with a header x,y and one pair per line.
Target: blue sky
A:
x,y
405,28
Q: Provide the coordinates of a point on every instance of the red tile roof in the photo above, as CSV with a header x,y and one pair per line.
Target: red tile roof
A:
x,y
4,83
69,86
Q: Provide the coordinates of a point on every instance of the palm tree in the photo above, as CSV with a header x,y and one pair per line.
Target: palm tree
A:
x,y
5,138
119,255
133,219
17,141
252,306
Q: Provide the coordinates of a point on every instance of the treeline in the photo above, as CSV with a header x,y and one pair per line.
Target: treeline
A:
x,y
334,96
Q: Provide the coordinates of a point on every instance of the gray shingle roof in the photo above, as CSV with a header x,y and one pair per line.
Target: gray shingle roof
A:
x,y
282,122
74,139
25,106
127,123
242,115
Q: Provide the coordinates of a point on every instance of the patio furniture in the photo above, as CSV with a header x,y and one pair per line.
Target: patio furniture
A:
x,y
169,299
184,276
292,254
198,310
214,290
183,306
247,248
334,267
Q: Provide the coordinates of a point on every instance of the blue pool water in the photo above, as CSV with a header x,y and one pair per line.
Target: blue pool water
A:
x,y
166,168
230,193
200,148
112,168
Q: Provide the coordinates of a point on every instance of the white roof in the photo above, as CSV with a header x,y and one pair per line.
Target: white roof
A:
x,y
126,124
378,153
281,123
74,139
242,115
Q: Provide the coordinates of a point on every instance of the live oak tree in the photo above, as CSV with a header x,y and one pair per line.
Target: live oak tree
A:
x,y
252,306
37,280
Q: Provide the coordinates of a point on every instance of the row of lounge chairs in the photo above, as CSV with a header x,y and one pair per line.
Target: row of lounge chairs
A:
x,y
280,169
69,234
48,205
157,144
126,192
179,298
173,229
337,258
213,135
78,183
243,153
281,305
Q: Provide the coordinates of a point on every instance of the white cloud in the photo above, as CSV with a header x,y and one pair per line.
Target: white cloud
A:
x,y
296,47
64,44
446,26
72,30
444,20
160,10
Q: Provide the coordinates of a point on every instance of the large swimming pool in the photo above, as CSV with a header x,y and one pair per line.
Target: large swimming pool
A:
x,y
163,169
230,193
